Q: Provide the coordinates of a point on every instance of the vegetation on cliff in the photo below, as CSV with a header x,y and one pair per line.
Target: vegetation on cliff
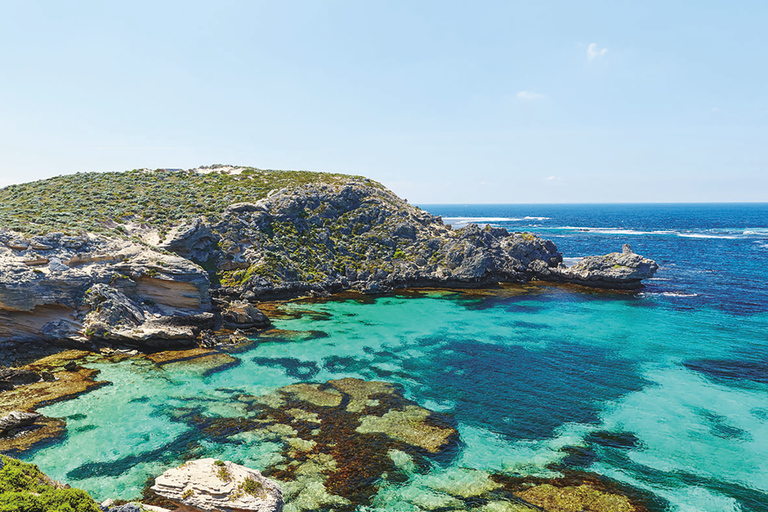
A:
x,y
24,488
102,202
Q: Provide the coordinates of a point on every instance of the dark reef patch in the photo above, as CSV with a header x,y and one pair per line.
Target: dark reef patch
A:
x,y
755,371
293,367
507,389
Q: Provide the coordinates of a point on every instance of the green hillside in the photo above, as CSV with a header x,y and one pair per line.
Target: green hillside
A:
x,y
100,202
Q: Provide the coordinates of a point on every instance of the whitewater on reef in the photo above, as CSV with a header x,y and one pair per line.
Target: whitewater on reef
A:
x,y
665,389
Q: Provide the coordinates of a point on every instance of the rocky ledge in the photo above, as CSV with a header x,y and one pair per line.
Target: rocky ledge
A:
x,y
159,284
216,485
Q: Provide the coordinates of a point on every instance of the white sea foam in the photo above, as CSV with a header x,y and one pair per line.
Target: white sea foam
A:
x,y
668,294
467,220
617,231
463,221
679,294
723,234
705,235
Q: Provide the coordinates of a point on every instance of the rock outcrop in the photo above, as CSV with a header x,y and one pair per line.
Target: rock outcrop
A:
x,y
92,288
624,270
215,485
145,286
16,420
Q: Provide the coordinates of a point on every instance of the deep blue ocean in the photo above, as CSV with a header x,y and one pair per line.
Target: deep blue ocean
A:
x,y
664,389
711,254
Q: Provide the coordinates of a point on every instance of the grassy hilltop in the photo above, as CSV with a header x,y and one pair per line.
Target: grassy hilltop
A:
x,y
101,202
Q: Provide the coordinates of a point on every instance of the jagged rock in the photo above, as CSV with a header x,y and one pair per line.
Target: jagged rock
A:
x,y
624,270
241,314
110,309
55,265
16,420
11,377
128,507
192,241
211,485
208,339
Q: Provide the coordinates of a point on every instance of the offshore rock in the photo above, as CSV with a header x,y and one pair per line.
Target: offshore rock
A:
x,y
624,270
214,485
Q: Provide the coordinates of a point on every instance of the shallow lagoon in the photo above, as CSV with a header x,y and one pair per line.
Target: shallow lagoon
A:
x,y
528,373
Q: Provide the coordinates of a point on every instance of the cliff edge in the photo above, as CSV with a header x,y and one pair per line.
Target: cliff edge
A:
x,y
154,259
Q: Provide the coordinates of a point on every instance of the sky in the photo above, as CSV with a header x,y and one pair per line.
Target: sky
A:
x,y
443,102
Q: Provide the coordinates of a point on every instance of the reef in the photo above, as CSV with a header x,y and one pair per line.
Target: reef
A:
x,y
47,380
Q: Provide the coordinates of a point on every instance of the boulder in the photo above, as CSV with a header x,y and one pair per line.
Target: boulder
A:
x,y
214,485
16,420
241,314
10,377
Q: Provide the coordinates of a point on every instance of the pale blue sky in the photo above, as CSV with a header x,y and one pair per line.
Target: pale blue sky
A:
x,y
465,102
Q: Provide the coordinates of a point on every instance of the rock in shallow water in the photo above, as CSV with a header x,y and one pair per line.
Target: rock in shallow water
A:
x,y
214,485
16,420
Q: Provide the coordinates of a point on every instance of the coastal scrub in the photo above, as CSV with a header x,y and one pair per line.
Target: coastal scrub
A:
x,y
24,488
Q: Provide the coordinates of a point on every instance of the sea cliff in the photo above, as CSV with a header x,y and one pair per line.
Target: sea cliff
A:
x,y
160,259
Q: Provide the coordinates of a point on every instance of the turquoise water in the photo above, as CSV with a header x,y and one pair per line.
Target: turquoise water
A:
x,y
526,376
665,390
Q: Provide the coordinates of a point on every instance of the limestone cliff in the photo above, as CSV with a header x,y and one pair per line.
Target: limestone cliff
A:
x,y
128,267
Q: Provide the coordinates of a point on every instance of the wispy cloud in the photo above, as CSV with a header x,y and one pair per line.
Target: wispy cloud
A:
x,y
529,96
554,180
593,52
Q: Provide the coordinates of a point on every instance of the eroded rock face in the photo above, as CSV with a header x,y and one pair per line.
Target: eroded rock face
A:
x,y
214,485
129,284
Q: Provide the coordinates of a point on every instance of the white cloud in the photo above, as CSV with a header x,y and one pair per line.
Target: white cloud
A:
x,y
555,181
594,52
529,96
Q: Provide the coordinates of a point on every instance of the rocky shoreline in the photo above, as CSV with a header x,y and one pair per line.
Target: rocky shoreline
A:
x,y
67,297
199,282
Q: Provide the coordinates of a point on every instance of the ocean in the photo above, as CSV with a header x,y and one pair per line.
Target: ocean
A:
x,y
664,389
